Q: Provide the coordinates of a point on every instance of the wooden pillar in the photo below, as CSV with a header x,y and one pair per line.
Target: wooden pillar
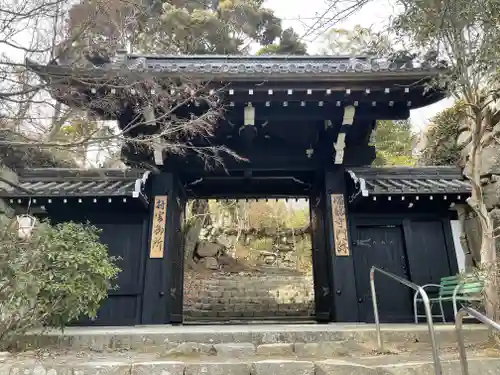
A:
x,y
344,297
162,295
321,258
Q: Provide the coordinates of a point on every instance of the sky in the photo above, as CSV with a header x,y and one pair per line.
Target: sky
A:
x,y
375,15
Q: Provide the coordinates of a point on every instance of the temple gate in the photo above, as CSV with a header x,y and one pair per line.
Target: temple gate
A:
x,y
304,127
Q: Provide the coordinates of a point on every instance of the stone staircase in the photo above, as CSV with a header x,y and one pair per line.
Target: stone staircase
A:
x,y
264,349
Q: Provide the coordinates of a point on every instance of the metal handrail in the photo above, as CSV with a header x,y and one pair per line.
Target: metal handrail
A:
x,y
459,319
425,299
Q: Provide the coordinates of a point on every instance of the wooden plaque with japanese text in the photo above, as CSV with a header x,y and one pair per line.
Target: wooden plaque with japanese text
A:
x,y
339,225
157,247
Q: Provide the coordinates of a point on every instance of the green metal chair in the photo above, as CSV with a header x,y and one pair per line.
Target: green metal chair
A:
x,y
456,289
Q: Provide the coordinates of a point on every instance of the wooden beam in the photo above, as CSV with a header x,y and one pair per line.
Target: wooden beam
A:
x,y
158,151
329,111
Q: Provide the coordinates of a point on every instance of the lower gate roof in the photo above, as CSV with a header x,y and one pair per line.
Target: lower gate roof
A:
x,y
55,182
367,181
409,180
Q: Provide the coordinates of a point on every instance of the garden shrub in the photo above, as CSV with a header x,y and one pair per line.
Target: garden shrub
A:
x,y
60,274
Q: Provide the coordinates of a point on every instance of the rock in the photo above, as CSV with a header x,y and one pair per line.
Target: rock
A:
x,y
464,138
275,349
190,348
490,160
208,249
464,156
235,350
225,260
226,241
101,368
334,367
211,263
217,369
321,349
269,259
282,367
158,368
491,195
4,355
495,217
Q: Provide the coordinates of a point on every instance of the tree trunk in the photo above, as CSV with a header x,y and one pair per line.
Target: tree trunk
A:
x,y
192,234
489,267
476,202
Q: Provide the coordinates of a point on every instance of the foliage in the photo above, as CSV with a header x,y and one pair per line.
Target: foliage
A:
x,y
289,43
358,41
394,143
394,139
58,275
184,26
274,215
440,142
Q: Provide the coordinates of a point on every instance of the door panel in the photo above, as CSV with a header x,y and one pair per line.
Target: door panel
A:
x,y
382,246
124,235
124,238
428,258
427,254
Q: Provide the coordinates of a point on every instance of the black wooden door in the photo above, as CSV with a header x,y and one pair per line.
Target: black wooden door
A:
x,y
125,238
124,232
430,256
381,246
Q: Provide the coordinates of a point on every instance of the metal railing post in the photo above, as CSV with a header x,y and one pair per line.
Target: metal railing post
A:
x,y
375,310
428,313
459,320
432,332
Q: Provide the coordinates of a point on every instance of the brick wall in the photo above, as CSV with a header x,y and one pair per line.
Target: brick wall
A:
x,y
223,296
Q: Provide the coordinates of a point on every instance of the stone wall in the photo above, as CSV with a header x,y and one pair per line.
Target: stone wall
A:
x,y
247,296
490,182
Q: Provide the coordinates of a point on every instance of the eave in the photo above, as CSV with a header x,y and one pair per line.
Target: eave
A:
x,y
54,185
408,186
246,68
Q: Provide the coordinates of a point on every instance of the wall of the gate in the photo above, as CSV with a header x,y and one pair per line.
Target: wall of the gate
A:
x,y
416,247
124,231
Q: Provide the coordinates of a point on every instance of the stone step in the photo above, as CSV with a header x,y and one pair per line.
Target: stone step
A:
x,y
255,349
358,337
384,366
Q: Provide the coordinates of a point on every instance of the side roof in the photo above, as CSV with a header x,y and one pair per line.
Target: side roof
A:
x,y
68,183
409,180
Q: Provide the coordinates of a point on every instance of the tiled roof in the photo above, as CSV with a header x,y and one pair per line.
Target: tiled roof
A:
x,y
53,182
263,64
270,66
404,180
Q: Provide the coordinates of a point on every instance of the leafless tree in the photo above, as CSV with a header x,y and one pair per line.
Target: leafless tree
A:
x,y
59,101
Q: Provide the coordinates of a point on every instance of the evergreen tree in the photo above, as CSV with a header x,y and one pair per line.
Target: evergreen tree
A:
x,y
394,143
440,140
224,27
289,44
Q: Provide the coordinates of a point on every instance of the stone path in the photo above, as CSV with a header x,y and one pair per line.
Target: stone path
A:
x,y
249,350
389,365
